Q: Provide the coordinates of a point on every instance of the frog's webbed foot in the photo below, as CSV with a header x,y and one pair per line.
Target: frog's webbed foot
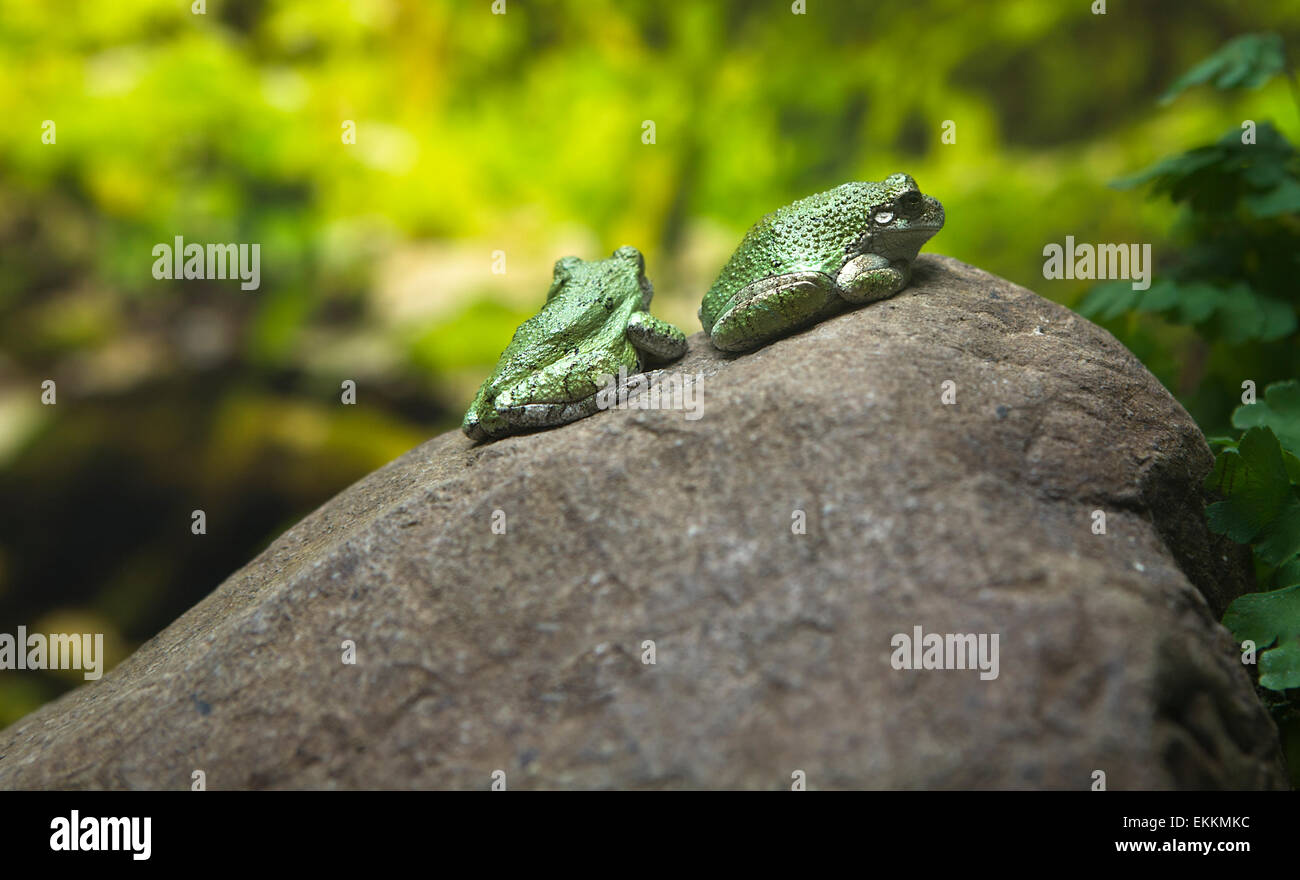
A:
x,y
870,277
657,338
772,307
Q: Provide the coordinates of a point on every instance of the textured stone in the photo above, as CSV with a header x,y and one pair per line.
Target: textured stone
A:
x,y
522,651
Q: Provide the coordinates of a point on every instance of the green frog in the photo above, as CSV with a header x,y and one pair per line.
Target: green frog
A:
x,y
595,320
819,256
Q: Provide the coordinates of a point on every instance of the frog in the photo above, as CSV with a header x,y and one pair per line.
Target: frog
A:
x,y
596,320
817,257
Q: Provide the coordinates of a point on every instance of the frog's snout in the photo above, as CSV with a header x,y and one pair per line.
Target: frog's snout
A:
x,y
933,215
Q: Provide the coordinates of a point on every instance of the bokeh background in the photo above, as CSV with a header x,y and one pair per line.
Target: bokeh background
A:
x,y
478,133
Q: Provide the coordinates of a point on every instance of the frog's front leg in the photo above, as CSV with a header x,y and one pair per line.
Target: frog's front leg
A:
x,y
771,307
870,277
657,338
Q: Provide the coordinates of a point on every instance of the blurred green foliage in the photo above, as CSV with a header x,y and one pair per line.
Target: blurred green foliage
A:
x,y
1230,279
1232,284
476,134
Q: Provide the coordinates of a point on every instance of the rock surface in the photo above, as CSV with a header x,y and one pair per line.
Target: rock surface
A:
x,y
522,651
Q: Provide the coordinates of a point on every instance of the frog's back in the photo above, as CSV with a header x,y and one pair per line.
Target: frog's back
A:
x,y
579,323
812,234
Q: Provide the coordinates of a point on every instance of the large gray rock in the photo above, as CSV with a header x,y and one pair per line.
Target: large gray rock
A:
x,y
523,651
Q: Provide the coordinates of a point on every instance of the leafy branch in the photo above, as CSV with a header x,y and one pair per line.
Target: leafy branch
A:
x,y
1234,282
1259,477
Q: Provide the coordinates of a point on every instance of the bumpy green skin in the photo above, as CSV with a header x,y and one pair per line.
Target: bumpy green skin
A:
x,y
595,320
819,256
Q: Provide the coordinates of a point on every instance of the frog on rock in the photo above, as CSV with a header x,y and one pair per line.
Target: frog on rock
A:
x,y
819,256
595,320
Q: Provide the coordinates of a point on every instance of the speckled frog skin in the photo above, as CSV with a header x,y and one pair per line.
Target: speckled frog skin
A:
x,y
819,256
595,320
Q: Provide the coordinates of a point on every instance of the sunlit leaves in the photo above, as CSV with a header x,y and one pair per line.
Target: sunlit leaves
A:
x,y
1247,61
1213,178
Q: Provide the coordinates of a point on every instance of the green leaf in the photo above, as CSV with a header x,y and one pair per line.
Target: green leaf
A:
x,y
1233,314
1279,668
1192,302
1214,178
1225,464
1243,315
1287,575
1272,621
1254,478
1262,507
1282,199
1263,618
1249,60
1181,165
1279,541
1278,411
1267,175
1109,300
1292,462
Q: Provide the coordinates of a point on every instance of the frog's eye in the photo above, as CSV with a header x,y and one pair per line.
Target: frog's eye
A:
x,y
884,217
909,200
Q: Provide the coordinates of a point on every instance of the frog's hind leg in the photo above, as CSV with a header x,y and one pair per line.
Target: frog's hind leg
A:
x,y
774,306
534,416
